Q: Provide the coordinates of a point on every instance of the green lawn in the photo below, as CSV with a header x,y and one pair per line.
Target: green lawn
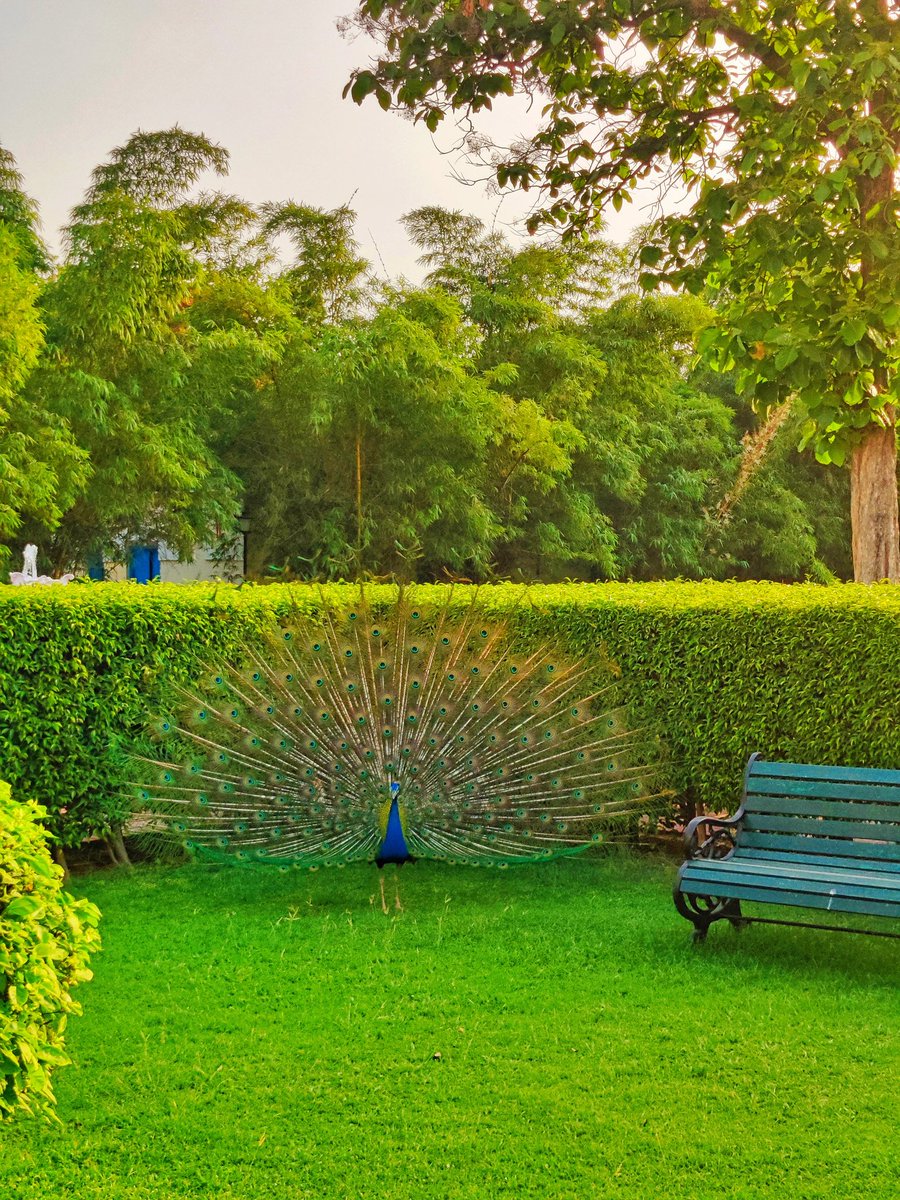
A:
x,y
251,1034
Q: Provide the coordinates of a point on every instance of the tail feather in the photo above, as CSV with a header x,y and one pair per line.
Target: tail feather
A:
x,y
294,754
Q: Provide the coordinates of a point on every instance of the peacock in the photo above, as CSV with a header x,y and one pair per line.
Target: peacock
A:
x,y
410,731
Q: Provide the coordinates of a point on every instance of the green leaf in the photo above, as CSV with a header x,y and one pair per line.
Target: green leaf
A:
x,y
22,908
853,331
362,86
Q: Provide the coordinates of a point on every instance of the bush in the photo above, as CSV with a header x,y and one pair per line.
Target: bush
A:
x,y
720,669
46,939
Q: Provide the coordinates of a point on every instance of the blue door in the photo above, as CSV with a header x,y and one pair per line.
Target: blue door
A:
x,y
144,564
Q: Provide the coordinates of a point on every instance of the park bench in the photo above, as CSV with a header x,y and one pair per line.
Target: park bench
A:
x,y
805,836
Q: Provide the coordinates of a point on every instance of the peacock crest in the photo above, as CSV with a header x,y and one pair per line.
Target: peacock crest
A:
x,y
409,732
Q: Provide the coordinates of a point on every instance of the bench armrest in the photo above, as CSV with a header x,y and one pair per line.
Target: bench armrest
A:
x,y
718,841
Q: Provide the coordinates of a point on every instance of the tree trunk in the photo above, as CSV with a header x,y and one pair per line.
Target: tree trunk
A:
x,y
115,848
359,504
118,842
59,857
874,518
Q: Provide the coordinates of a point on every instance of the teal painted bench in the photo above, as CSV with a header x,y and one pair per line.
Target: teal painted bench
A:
x,y
825,838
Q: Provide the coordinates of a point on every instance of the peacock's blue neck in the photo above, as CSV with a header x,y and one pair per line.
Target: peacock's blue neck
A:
x,y
393,846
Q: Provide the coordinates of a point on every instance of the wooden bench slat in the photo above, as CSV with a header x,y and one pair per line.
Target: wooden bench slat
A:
x,y
836,847
760,822
811,878
762,895
802,806
824,860
879,793
791,770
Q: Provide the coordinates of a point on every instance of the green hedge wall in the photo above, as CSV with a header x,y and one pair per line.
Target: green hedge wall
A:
x,y
721,669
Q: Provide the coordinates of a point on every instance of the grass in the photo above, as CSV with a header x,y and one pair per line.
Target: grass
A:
x,y
543,1032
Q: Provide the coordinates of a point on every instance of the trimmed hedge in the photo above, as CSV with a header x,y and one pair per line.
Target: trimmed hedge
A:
x,y
46,940
720,669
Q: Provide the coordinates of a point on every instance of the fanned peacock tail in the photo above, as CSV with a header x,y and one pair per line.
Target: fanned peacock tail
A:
x,y
420,735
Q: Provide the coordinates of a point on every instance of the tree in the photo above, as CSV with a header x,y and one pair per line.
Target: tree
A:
x,y
123,369
41,468
781,119
545,374
363,449
324,278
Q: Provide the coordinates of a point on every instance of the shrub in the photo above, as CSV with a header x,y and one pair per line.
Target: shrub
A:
x,y
720,669
46,939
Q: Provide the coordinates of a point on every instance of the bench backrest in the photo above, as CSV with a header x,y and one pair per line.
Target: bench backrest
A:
x,y
805,812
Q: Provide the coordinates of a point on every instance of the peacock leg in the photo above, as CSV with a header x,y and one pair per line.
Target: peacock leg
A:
x,y
397,904
384,906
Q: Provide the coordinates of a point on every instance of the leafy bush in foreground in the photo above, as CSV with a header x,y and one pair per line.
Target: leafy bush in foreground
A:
x,y
46,939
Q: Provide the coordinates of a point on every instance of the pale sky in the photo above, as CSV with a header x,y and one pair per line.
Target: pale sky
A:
x,y
262,77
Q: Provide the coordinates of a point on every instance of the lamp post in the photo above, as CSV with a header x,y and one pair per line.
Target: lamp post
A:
x,y
243,524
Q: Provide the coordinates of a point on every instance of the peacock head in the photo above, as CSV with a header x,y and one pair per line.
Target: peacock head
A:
x,y
395,788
